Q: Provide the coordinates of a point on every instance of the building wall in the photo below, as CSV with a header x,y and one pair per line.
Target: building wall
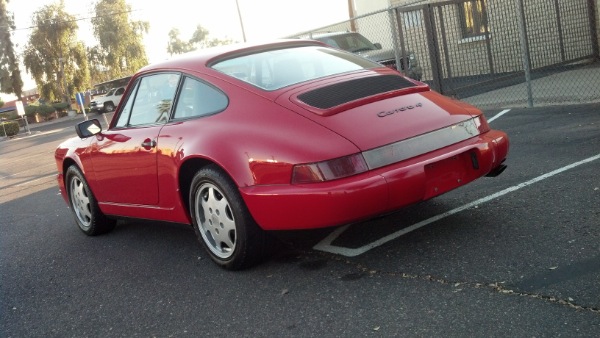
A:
x,y
471,56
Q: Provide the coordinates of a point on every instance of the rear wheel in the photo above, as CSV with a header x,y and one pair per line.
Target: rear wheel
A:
x,y
87,214
223,223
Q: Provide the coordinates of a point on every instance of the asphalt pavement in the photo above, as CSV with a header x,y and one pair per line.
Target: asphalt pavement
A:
x,y
516,255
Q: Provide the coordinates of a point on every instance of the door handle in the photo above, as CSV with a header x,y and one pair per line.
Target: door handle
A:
x,y
149,144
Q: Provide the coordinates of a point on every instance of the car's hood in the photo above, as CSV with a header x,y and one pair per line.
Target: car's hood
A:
x,y
380,118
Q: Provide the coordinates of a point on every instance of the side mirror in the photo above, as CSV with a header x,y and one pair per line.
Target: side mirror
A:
x,y
377,45
88,128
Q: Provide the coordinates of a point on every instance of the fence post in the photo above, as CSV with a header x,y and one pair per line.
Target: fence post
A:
x,y
593,27
451,91
561,40
395,39
432,42
525,50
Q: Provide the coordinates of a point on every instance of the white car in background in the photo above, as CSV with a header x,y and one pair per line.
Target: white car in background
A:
x,y
108,102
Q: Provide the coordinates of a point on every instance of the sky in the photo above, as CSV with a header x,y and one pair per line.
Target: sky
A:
x,y
262,20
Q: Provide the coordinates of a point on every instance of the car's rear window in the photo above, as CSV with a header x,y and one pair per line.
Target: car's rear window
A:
x,y
274,69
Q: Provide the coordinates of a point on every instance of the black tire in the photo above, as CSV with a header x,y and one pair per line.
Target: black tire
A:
x,y
223,223
109,107
84,206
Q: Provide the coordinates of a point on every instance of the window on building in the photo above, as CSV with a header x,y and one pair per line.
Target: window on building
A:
x,y
474,19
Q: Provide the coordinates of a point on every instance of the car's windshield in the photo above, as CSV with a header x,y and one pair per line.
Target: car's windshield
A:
x,y
110,92
276,69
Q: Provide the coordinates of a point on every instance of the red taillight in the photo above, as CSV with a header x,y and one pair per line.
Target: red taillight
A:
x,y
329,170
482,124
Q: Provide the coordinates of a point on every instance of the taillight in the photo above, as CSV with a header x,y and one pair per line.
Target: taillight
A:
x,y
329,170
482,124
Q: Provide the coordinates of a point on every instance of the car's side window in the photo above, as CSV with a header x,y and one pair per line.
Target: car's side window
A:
x,y
152,102
125,112
198,99
120,91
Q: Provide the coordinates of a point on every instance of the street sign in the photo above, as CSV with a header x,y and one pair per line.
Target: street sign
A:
x,y
79,97
20,108
81,103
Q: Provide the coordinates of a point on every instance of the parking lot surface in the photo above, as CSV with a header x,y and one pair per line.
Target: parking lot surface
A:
x,y
516,255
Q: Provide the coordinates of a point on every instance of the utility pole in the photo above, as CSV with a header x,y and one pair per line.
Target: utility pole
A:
x,y
241,22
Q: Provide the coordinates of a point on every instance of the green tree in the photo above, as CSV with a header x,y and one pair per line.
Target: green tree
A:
x,y
56,61
10,75
176,45
200,39
121,51
199,36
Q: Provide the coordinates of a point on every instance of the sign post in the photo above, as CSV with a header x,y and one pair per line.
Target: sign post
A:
x,y
81,103
21,112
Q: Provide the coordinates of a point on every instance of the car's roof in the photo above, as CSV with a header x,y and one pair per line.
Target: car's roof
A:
x,y
207,57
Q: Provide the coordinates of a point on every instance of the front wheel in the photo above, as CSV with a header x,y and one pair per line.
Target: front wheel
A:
x,y
109,107
222,222
88,215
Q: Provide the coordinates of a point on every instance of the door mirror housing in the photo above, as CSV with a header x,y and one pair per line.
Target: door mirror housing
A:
x,y
88,128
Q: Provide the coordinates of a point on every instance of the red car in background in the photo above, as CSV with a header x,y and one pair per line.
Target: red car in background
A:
x,y
243,139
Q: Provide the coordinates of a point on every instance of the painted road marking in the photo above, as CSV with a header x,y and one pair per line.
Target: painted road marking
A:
x,y
325,244
498,115
37,179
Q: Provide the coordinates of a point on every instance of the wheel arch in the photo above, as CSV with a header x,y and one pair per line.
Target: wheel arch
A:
x,y
187,170
68,162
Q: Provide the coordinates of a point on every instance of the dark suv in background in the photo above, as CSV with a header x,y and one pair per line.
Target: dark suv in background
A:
x,y
358,44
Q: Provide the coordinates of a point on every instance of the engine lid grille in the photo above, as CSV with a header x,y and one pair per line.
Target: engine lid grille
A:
x,y
341,93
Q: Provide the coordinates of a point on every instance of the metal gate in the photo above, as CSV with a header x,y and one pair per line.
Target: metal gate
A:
x,y
470,47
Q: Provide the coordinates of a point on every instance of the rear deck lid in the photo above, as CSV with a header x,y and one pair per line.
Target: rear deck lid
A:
x,y
377,110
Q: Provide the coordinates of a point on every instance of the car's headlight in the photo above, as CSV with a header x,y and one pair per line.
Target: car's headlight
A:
x,y
329,170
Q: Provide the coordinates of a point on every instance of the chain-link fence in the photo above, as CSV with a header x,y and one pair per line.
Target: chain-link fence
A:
x,y
492,53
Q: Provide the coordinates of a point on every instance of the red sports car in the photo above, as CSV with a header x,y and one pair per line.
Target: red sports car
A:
x,y
240,140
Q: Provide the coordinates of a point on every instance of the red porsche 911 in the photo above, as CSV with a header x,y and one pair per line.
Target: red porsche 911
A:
x,y
241,140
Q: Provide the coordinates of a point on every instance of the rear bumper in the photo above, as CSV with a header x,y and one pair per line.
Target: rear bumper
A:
x,y
306,206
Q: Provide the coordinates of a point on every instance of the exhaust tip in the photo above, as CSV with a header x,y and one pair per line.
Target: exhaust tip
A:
x,y
497,171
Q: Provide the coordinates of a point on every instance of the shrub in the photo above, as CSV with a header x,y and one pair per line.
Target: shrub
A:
x,y
44,110
60,106
11,128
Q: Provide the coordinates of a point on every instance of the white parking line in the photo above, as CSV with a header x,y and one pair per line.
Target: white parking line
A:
x,y
33,181
498,115
325,244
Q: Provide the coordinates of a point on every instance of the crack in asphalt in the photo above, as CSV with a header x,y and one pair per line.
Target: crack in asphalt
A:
x,y
496,287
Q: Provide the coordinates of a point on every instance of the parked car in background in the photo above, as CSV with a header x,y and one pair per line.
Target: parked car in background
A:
x,y
357,43
107,102
242,140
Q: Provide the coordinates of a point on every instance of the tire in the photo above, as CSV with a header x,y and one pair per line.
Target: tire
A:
x,y
109,107
84,206
223,223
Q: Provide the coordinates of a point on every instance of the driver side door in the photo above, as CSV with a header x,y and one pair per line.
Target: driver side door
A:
x,y
125,156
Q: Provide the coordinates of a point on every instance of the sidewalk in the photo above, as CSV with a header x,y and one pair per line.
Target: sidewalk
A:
x,y
566,88
33,127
